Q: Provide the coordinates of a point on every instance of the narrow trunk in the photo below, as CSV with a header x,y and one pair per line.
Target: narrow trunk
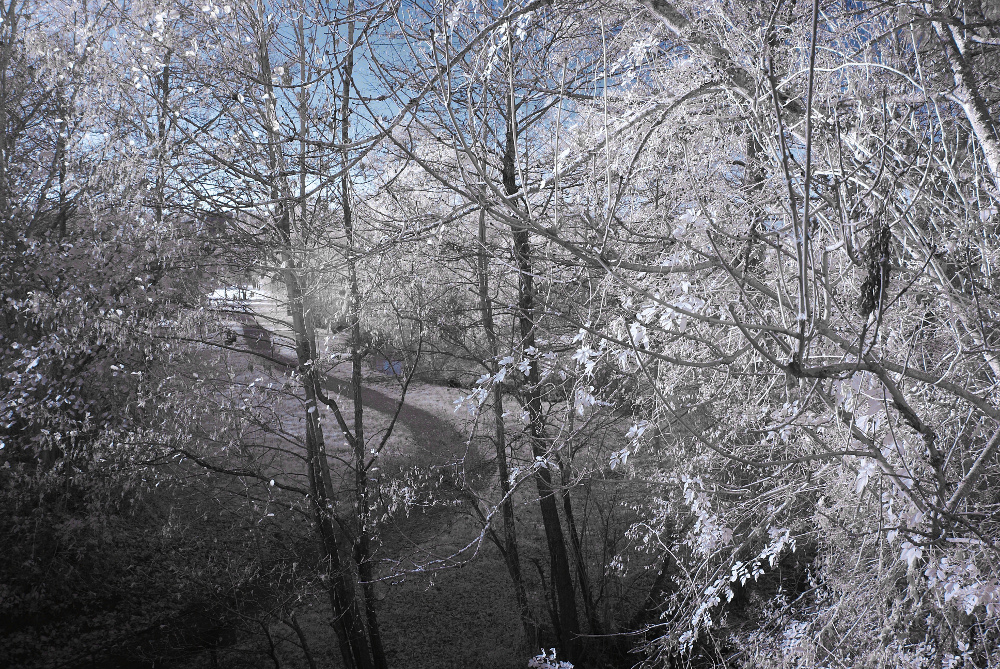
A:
x,y
63,213
347,622
347,618
8,37
511,556
161,138
562,580
968,95
362,549
566,469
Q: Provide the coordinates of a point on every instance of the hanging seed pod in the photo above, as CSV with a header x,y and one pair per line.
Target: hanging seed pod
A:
x,y
879,260
869,295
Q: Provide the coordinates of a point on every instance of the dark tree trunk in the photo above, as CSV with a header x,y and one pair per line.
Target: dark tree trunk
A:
x,y
511,556
575,544
362,549
562,579
347,622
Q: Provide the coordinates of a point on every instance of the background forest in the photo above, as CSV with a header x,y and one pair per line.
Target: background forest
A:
x,y
375,334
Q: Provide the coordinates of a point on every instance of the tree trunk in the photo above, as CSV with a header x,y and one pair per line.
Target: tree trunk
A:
x,y
62,216
362,549
966,92
511,556
566,471
347,622
562,580
8,38
347,618
161,138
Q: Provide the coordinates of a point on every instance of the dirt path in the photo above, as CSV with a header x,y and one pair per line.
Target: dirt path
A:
x,y
434,618
436,434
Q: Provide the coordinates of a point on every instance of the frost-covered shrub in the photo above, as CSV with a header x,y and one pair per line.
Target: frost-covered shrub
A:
x,y
547,660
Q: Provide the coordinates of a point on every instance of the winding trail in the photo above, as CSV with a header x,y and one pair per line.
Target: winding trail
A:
x,y
436,434
473,608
